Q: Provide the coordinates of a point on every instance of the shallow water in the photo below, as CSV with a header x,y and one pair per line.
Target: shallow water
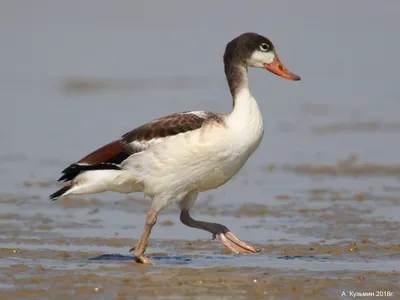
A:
x,y
320,197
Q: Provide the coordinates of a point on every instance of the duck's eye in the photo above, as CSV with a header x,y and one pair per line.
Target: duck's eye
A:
x,y
264,47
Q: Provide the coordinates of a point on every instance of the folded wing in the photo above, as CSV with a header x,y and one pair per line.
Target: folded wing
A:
x,y
110,156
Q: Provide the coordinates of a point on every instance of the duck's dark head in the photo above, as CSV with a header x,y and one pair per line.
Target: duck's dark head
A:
x,y
254,50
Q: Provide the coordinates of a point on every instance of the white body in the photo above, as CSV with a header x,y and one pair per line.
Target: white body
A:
x,y
186,163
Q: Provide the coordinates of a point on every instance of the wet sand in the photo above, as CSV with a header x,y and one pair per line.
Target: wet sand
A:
x,y
57,274
318,247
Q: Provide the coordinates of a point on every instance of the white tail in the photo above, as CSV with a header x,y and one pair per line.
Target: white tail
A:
x,y
99,181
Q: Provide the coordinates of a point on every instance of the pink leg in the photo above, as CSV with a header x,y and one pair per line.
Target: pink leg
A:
x,y
228,239
141,245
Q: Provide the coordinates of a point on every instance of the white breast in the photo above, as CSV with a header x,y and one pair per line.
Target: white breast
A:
x,y
201,159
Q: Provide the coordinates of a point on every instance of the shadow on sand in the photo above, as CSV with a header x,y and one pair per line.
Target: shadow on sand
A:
x,y
187,260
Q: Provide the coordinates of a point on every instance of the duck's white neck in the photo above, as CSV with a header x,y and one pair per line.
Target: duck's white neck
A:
x,y
244,105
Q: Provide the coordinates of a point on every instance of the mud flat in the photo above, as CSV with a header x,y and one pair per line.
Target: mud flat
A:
x,y
315,243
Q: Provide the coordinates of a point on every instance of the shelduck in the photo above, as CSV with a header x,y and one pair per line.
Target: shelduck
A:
x,y
174,158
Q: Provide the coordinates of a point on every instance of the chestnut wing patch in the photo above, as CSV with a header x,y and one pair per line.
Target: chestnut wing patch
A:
x,y
107,157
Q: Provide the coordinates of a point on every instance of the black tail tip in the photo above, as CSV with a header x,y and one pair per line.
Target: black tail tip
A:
x,y
60,192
